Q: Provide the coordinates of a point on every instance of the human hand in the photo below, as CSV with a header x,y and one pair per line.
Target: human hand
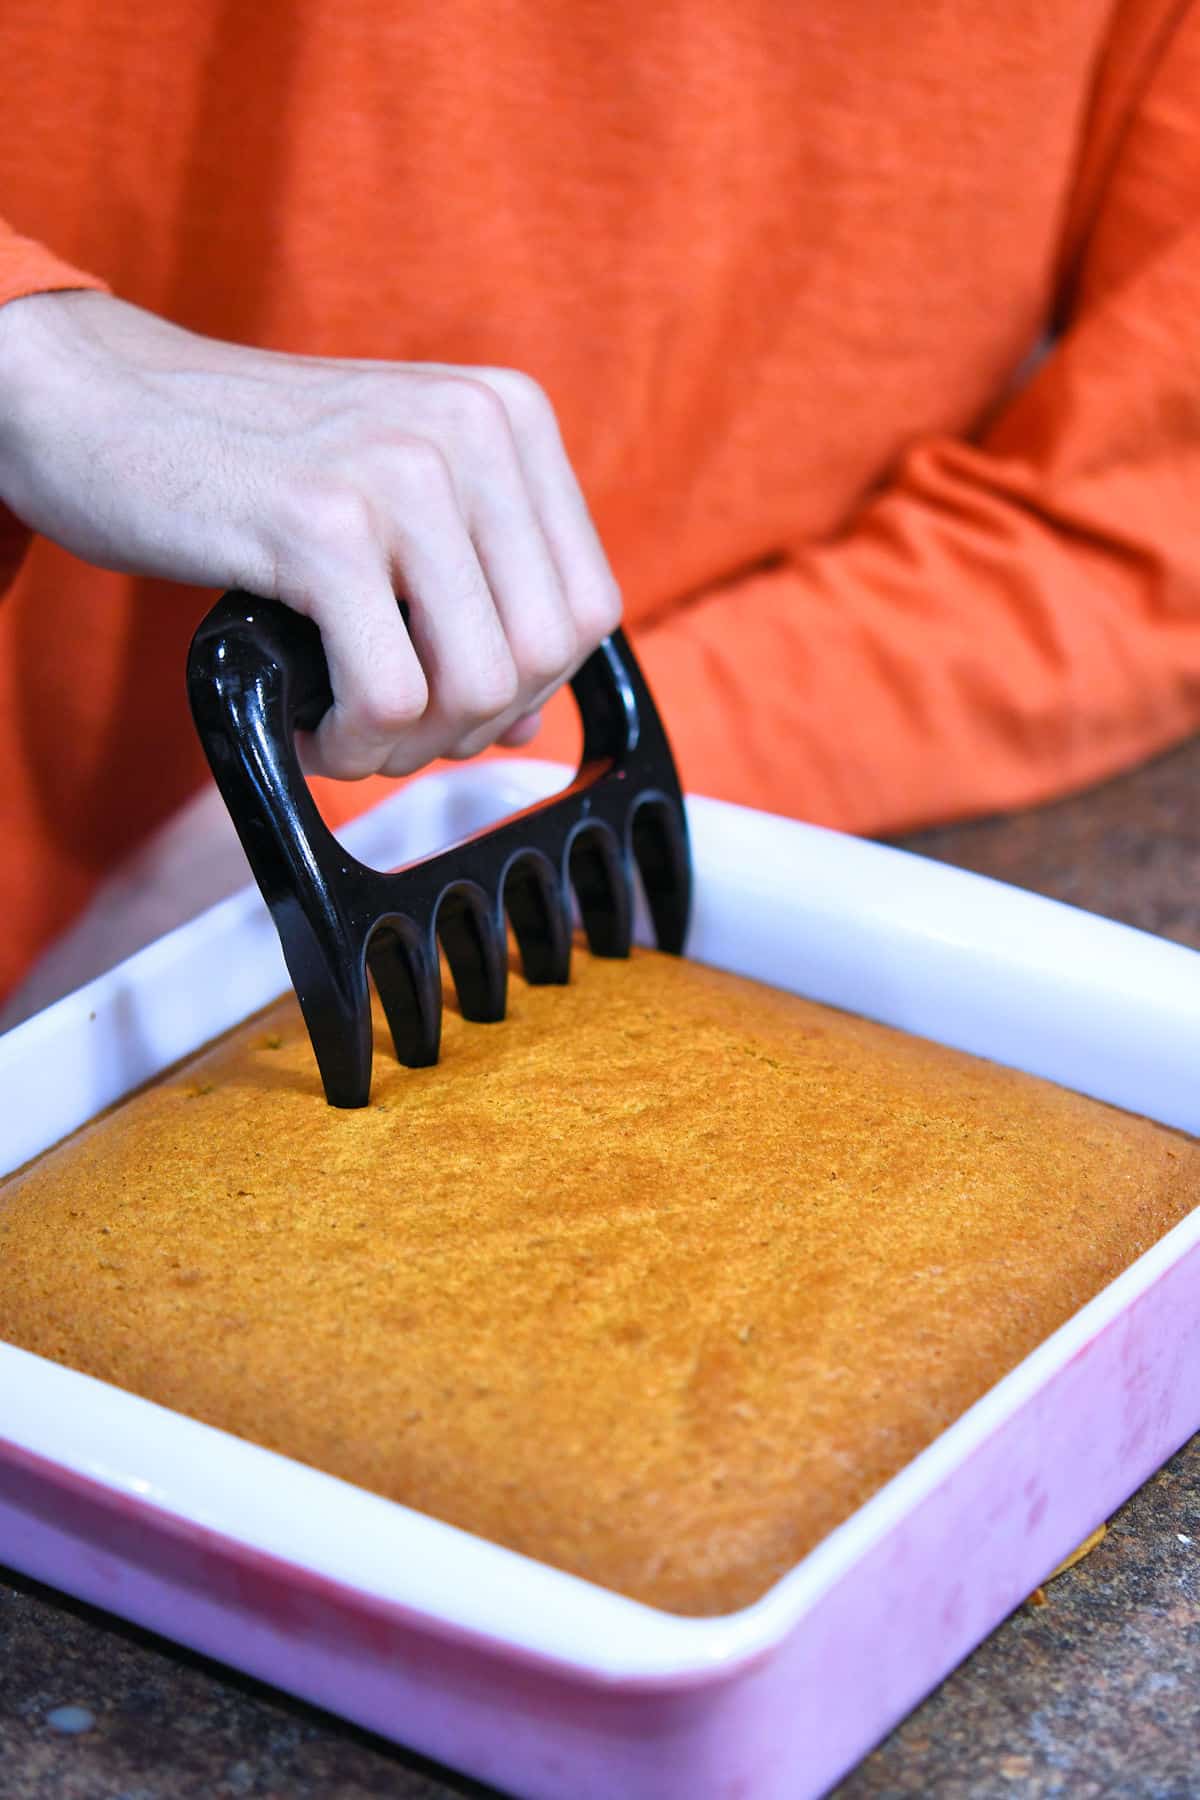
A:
x,y
335,486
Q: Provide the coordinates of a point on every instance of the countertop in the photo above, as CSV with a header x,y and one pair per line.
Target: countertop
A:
x,y
1096,1692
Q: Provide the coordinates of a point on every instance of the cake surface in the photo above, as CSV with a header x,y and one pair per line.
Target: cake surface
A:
x,y
656,1281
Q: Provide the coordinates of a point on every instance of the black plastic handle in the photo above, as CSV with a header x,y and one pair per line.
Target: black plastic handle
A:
x,y
257,674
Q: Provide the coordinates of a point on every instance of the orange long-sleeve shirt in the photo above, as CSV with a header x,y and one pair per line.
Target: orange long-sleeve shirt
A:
x,y
872,328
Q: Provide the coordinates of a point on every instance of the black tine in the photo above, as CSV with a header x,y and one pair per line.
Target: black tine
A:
x,y
343,1055
475,950
540,921
660,851
408,979
598,873
257,673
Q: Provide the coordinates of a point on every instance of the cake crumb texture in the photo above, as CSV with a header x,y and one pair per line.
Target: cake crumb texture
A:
x,y
656,1281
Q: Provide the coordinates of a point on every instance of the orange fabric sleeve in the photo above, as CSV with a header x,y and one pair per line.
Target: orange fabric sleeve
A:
x,y
26,268
1007,618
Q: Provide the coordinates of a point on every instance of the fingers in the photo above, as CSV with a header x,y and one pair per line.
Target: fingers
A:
x,y
529,597
467,509
589,587
550,583
381,694
522,732
475,689
402,697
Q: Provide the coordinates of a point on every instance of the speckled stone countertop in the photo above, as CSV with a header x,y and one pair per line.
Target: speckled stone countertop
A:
x,y
1095,1693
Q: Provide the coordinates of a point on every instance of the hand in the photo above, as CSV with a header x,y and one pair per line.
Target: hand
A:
x,y
338,487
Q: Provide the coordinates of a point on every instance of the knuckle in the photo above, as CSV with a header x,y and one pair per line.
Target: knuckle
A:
x,y
524,399
331,520
483,693
344,760
597,609
470,743
546,660
422,469
391,707
474,408
465,749
347,765
405,759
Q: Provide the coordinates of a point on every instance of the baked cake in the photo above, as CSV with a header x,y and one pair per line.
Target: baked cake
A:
x,y
656,1281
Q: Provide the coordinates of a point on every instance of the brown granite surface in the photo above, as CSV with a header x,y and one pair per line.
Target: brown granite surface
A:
x,y
1095,1693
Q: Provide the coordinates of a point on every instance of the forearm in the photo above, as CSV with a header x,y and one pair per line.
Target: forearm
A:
x,y
957,653
1007,619
26,268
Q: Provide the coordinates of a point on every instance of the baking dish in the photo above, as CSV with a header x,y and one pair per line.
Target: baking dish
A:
x,y
512,1671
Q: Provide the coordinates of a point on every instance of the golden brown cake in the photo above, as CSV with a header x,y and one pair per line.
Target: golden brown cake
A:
x,y
656,1281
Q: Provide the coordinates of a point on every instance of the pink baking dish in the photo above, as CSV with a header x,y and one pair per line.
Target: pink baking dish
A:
x,y
514,1672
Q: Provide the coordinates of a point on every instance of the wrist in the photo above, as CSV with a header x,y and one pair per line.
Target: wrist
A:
x,y
22,322
31,333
